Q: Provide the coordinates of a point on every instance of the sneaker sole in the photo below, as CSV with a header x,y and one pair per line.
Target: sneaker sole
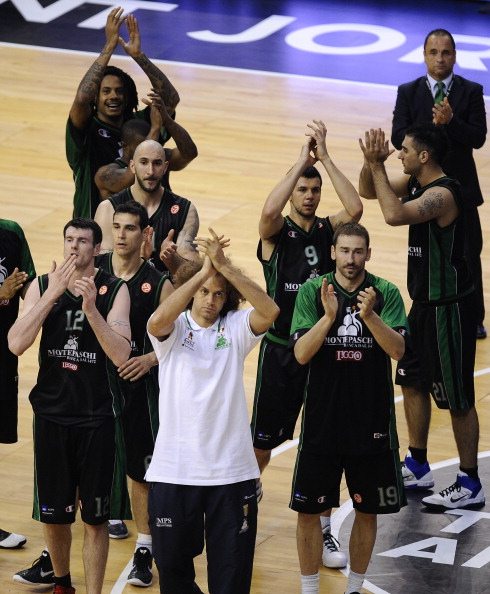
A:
x,y
334,565
139,583
119,536
419,486
44,586
440,506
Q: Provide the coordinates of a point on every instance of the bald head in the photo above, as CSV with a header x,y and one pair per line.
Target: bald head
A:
x,y
148,165
149,147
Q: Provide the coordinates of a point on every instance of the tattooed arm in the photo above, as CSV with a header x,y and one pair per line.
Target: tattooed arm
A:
x,y
185,241
159,81
86,96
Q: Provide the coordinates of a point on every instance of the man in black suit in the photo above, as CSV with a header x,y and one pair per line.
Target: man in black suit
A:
x,y
457,104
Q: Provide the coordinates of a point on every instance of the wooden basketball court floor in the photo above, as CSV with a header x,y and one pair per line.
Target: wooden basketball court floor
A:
x,y
249,129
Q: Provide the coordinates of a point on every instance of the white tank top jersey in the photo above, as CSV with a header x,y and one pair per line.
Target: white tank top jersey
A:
x,y
204,435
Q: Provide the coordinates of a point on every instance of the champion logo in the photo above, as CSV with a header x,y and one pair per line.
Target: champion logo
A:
x,y
401,372
293,234
104,133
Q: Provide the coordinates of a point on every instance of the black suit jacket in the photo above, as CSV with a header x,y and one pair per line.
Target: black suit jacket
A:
x,y
467,130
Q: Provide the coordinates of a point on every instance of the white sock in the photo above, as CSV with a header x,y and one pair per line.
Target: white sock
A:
x,y
143,540
310,584
355,581
114,522
325,522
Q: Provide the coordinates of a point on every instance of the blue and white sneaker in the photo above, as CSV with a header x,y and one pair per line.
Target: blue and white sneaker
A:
x,y
465,493
416,476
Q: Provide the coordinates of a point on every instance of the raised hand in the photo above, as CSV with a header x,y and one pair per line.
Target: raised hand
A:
x,y
114,21
133,46
376,147
317,132
329,299
365,301
13,283
59,276
213,248
442,113
85,287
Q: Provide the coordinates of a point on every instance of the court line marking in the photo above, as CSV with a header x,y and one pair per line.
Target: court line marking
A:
x,y
213,67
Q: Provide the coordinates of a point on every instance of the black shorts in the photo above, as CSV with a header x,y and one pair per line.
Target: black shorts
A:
x,y
181,516
78,464
8,410
279,393
375,482
140,424
440,354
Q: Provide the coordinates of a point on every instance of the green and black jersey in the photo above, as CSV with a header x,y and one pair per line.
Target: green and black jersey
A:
x,y
349,406
171,214
75,383
298,256
437,270
87,150
14,253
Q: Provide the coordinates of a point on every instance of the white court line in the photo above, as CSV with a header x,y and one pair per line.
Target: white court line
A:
x,y
212,67
338,516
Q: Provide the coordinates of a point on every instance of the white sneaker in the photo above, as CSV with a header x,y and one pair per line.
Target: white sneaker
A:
x,y
416,476
10,540
465,493
332,556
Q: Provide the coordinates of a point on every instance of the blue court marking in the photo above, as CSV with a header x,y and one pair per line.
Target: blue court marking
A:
x,y
365,41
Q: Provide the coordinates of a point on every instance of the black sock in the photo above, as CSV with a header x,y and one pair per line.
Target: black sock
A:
x,y
471,472
418,454
64,581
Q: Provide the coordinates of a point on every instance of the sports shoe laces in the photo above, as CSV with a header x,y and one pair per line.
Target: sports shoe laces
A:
x,y
331,542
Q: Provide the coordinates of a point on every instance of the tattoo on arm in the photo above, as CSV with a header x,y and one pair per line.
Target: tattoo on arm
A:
x,y
159,81
431,204
91,81
122,323
189,230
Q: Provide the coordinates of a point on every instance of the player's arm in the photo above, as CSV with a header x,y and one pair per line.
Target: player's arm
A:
x,y
265,309
161,323
104,216
271,219
86,96
37,307
186,149
185,241
112,178
391,341
308,345
136,367
435,203
113,334
367,188
348,195
158,80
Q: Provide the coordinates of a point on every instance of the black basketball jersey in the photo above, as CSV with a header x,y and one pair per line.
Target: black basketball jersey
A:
x,y
437,269
14,253
171,214
349,407
145,288
75,383
298,256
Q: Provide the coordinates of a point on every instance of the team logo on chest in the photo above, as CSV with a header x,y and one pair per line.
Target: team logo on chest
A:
x,y
349,337
189,341
175,209
146,287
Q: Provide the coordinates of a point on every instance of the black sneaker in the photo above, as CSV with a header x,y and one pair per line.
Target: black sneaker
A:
x,y
39,574
119,530
10,540
141,574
